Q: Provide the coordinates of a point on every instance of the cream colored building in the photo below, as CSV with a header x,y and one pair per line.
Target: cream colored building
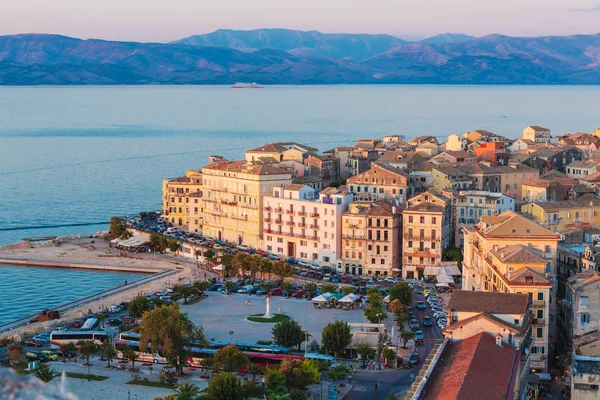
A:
x,y
370,239
537,134
175,204
300,224
233,199
195,212
512,254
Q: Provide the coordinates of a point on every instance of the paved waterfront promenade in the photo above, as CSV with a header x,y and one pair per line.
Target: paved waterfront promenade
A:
x,y
79,265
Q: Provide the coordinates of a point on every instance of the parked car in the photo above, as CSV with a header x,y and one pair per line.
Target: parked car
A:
x,y
389,279
276,292
414,324
32,343
69,354
421,305
335,279
343,279
50,354
298,293
291,260
327,277
427,321
261,292
414,359
418,335
303,264
78,323
113,322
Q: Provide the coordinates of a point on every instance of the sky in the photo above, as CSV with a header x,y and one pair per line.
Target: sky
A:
x,y
163,21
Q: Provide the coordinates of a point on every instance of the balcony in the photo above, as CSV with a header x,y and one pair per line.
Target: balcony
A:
x,y
289,212
278,222
353,226
279,210
302,213
268,220
539,321
290,223
538,303
353,237
268,208
314,215
314,226
301,224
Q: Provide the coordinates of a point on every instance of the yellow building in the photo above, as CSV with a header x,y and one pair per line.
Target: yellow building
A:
x,y
175,197
558,215
233,199
195,211
511,254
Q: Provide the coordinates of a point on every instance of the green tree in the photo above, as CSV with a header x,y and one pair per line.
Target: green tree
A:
x,y
311,287
275,382
230,359
111,353
288,333
184,291
174,245
156,242
339,372
299,375
365,351
396,307
186,391
252,390
87,348
406,336
208,364
65,348
46,374
254,369
336,336
117,229
402,292
374,312
389,354
229,285
255,264
225,386
287,286
129,355
329,287
266,267
138,306
241,262
200,287
169,332
282,269
347,290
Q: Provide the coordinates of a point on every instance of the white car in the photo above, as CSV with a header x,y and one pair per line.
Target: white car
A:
x,y
390,279
327,277
304,264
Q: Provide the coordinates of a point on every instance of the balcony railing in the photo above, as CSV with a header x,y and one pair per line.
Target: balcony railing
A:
x,y
354,237
289,212
279,210
314,226
302,213
290,223
268,220
314,215
301,224
539,321
268,208
538,303
278,222
353,226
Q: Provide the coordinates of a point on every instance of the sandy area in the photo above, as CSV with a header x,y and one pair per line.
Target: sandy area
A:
x,y
77,251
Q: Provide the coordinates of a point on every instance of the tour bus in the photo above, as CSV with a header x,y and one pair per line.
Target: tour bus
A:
x,y
141,356
322,357
129,336
89,324
60,336
262,359
259,348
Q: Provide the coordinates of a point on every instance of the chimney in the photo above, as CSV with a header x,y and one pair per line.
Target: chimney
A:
x,y
394,210
499,340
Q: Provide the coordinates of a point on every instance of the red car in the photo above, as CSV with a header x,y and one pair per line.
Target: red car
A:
x,y
262,253
31,343
275,292
344,279
127,319
299,293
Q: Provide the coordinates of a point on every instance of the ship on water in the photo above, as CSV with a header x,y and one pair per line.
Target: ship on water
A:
x,y
243,85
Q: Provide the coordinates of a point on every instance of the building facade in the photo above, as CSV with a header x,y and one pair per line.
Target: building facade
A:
x,y
175,204
381,182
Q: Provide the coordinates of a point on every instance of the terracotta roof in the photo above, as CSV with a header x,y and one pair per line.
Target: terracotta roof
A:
x,y
181,179
368,176
425,207
583,279
294,187
520,254
307,179
451,171
553,174
474,368
268,148
583,164
595,177
527,141
246,167
527,277
488,302
331,190
488,317
538,128
586,200
512,224
392,156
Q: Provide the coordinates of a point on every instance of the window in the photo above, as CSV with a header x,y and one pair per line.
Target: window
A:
x,y
540,296
279,240
539,333
422,220
410,219
372,261
410,243
540,314
585,318
584,301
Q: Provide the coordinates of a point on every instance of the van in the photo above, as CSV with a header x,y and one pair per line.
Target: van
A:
x,y
327,277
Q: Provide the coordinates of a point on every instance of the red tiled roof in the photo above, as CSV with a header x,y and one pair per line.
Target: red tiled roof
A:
x,y
474,368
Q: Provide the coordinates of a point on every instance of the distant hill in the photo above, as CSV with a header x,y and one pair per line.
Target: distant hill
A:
x,y
447,38
36,59
354,47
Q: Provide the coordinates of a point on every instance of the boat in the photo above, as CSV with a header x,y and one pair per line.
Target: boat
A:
x,y
243,85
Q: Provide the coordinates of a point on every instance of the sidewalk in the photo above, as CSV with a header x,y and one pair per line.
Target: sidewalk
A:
x,y
320,391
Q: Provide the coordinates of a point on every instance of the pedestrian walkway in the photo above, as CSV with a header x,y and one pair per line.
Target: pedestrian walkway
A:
x,y
320,391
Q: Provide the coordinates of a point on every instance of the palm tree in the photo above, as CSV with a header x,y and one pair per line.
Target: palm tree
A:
x,y
111,353
186,391
46,374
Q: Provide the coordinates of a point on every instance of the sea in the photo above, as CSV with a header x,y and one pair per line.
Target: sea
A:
x,y
72,157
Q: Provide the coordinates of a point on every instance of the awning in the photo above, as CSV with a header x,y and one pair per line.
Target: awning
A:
x,y
443,278
219,268
443,284
319,298
452,270
409,268
346,299
431,271
396,270
327,295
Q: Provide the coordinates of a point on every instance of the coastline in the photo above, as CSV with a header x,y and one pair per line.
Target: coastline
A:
x,y
165,270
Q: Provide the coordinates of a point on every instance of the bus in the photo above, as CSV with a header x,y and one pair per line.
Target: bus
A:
x,y
253,347
89,324
329,360
129,336
263,359
58,337
141,356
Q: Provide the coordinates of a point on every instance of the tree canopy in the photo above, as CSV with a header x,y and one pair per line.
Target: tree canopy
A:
x,y
230,359
138,306
288,333
336,336
299,374
117,229
225,386
403,292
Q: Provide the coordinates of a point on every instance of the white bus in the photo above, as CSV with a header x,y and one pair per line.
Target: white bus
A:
x,y
58,337
129,336
141,356
322,357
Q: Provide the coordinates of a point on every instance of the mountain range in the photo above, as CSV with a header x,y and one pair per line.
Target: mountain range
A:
x,y
281,56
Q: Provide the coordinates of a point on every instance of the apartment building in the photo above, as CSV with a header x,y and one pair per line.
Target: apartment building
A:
x,y
557,216
581,169
370,239
175,204
195,212
582,304
426,231
493,262
302,224
381,182
326,167
536,134
233,199
470,205
492,152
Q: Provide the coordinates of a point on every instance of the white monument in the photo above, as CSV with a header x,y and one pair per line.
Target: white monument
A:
x,y
268,313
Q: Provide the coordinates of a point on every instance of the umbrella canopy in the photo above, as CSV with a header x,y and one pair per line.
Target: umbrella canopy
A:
x,y
387,298
346,299
327,295
219,268
319,298
396,270
443,278
353,296
337,296
443,284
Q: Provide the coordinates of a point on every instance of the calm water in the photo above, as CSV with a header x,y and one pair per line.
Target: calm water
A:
x,y
82,154
38,288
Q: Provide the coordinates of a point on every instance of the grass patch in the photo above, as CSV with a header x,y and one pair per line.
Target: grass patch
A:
x,y
92,377
274,320
151,384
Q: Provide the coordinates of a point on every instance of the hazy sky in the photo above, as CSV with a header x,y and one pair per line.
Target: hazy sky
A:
x,y
161,20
